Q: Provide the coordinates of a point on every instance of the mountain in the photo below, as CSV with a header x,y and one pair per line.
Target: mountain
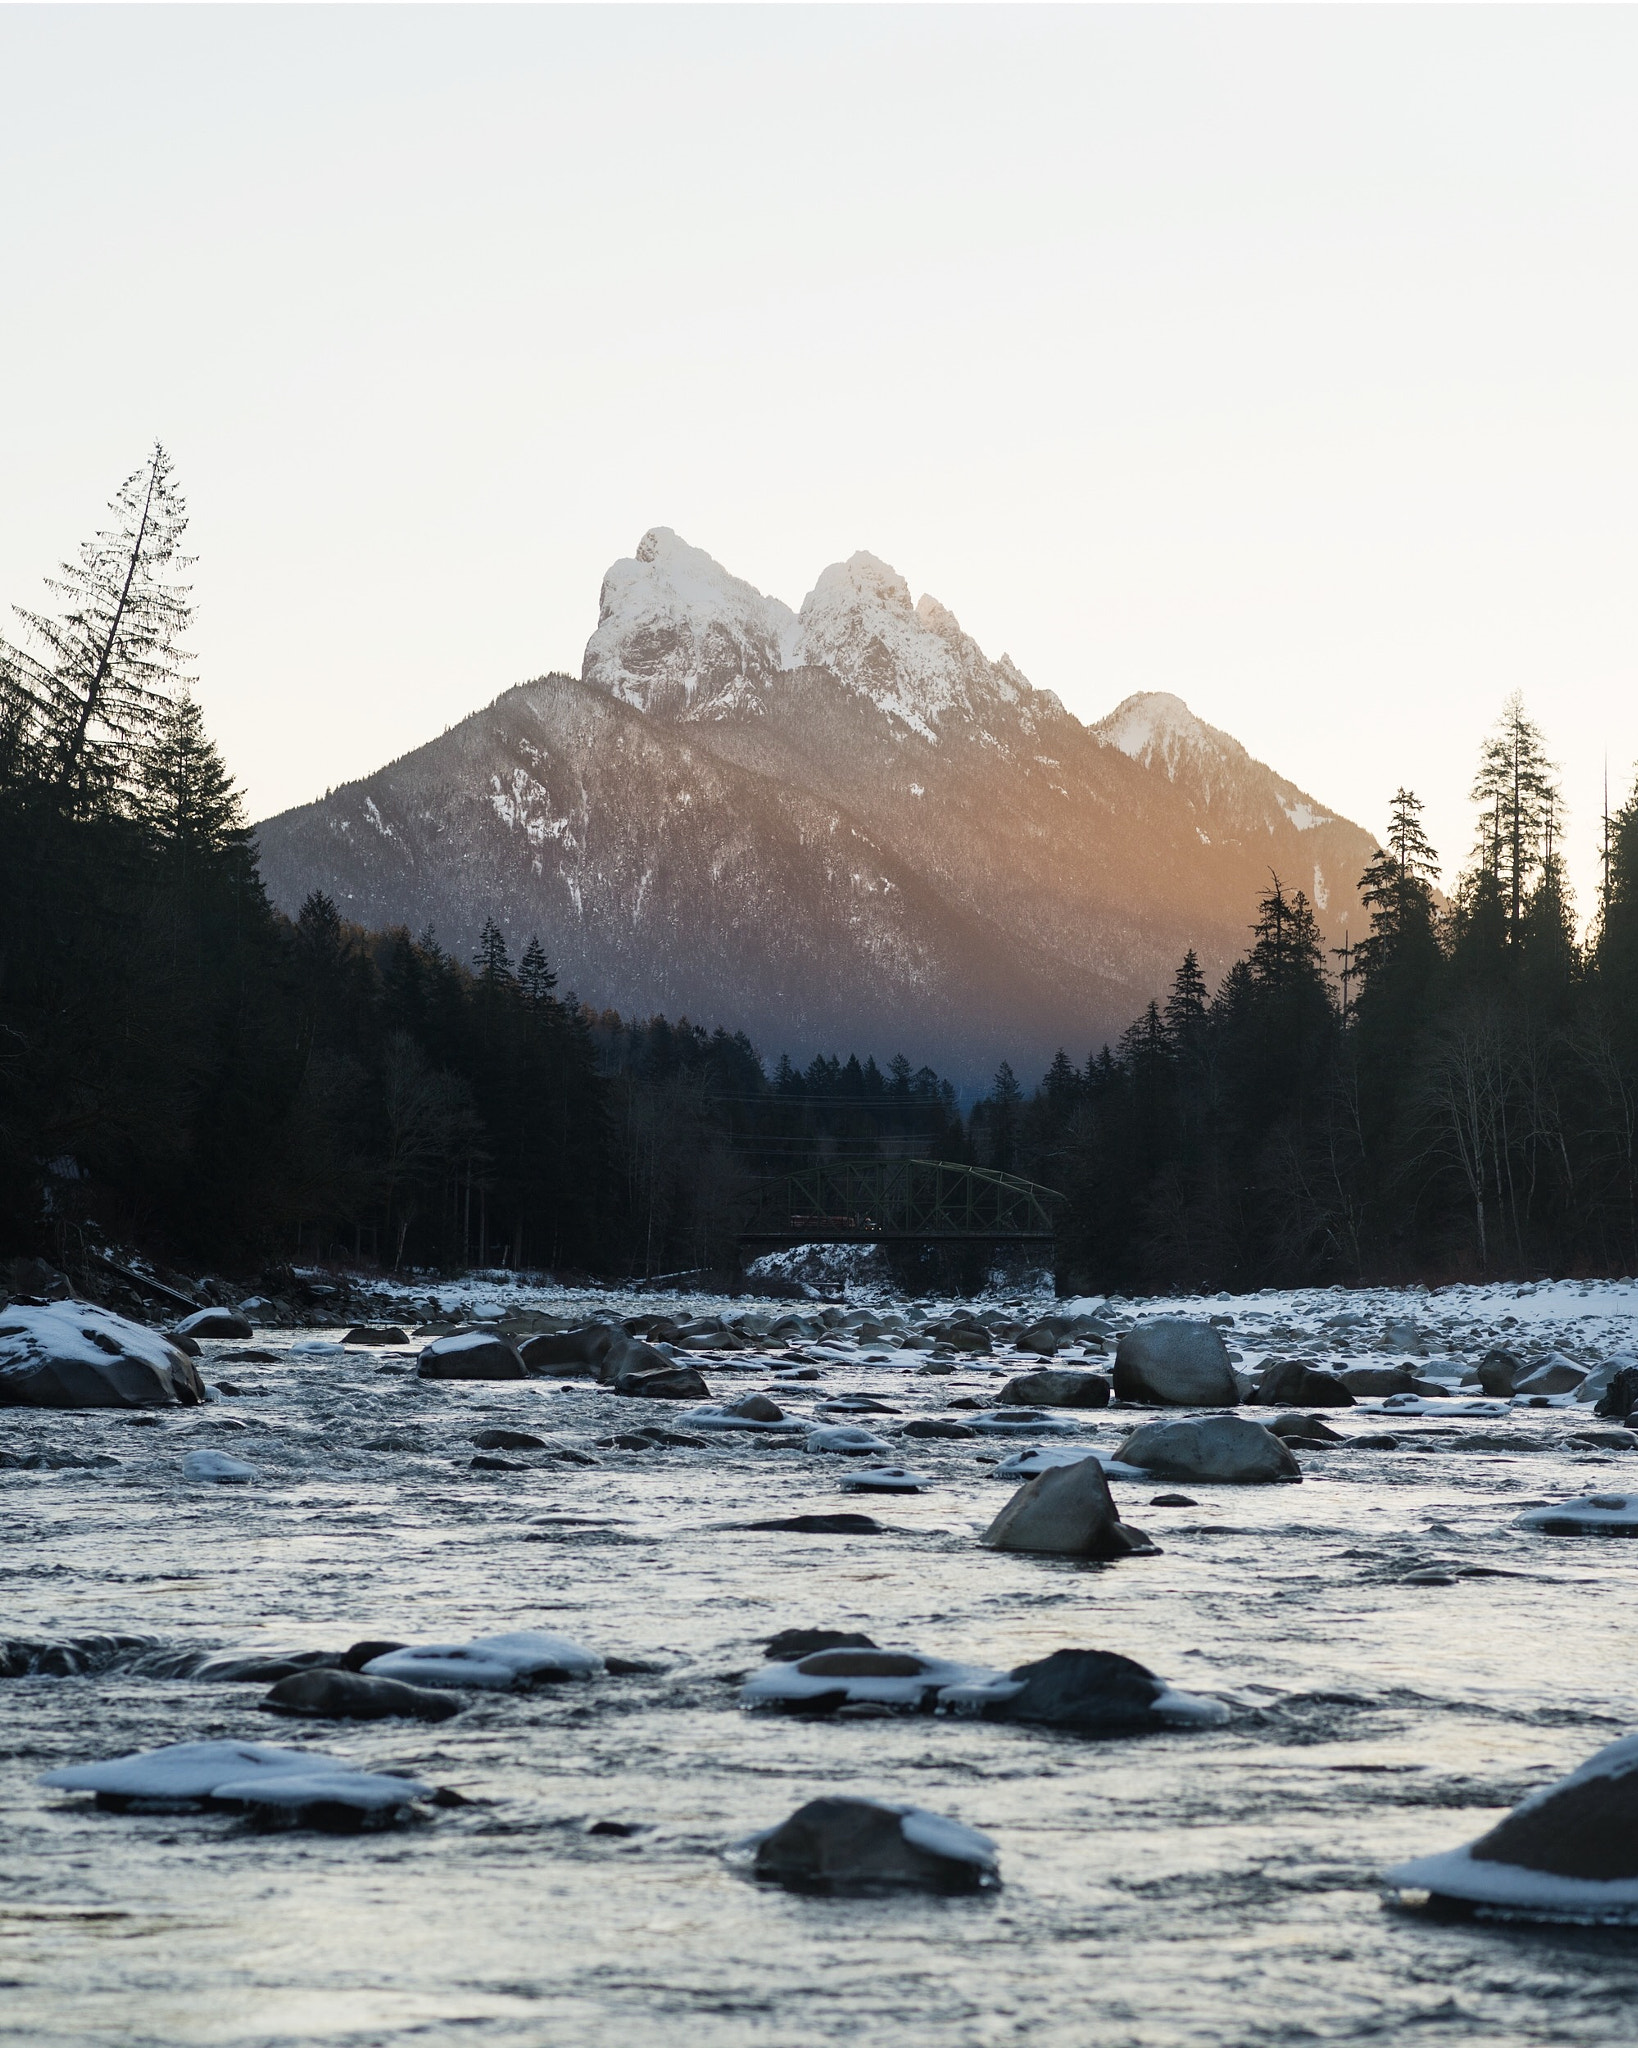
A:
x,y
838,826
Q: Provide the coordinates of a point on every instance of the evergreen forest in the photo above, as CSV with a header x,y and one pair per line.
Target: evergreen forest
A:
x,y
185,1069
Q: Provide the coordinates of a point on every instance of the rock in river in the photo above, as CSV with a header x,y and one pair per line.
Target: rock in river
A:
x,y
312,1789
325,1695
836,1843
1057,1388
1224,1447
1095,1692
216,1468
1294,1383
1568,1852
1598,1514
1067,1511
471,1355
214,1322
825,1681
1175,1362
524,1657
66,1354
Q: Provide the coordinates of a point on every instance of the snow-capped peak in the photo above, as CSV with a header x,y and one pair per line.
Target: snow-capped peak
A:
x,y
674,628
1158,730
678,635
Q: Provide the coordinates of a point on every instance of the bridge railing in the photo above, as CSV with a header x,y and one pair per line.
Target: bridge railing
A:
x,y
884,1199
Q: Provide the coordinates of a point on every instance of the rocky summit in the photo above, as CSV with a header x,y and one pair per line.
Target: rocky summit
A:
x,y
842,823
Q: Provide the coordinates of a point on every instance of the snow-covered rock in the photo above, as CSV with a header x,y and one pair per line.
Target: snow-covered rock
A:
x,y
846,1442
1595,1514
471,1355
302,1785
883,1479
827,1680
214,1322
502,1663
67,1354
1567,1853
216,1468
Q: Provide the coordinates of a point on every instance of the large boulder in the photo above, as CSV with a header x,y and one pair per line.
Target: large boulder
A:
x,y
471,1355
1055,1388
1294,1383
67,1354
573,1353
842,1842
1621,1398
1555,1374
1066,1511
1499,1371
1377,1382
1175,1362
1568,1852
1225,1447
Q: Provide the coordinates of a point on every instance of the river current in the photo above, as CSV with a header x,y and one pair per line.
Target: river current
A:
x,y
1219,1887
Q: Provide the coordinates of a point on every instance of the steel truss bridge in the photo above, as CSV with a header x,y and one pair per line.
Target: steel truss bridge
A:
x,y
899,1201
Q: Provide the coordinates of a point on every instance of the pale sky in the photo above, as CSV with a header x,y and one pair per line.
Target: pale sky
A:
x,y
1281,358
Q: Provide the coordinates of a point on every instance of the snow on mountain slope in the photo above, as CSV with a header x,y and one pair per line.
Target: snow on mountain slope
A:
x,y
676,633
678,636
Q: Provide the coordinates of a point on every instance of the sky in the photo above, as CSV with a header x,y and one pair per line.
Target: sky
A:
x,y
1282,358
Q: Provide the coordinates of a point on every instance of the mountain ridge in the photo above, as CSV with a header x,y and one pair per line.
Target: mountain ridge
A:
x,y
825,824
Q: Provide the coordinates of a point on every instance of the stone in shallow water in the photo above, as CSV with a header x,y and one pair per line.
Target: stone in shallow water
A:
x,y
825,1681
1568,1852
1094,1692
792,1644
502,1663
1066,1511
928,1426
1224,1447
316,1789
331,1695
1057,1389
843,1442
819,1525
884,1479
837,1843
216,1468
214,1322
508,1440
1597,1514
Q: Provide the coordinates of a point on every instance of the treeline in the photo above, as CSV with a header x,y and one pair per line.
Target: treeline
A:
x,y
183,1066
1455,1095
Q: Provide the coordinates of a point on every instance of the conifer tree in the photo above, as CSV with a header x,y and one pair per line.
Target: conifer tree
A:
x,y
492,960
1517,788
535,977
184,794
88,688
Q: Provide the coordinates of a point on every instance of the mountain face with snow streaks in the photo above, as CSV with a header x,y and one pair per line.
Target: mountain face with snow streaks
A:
x,y
836,826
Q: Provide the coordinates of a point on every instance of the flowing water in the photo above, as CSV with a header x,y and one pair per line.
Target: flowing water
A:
x,y
1213,1888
